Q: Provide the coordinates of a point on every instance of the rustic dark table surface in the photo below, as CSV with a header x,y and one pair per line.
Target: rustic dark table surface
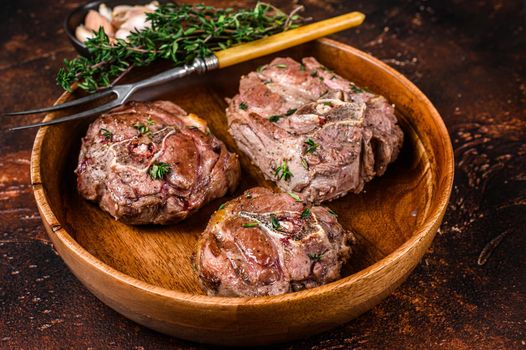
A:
x,y
469,57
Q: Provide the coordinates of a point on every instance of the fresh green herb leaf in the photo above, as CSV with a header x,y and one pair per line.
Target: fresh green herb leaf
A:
x,y
327,104
283,171
275,223
178,33
150,121
282,66
261,69
106,133
305,213
250,224
311,146
243,106
331,211
355,89
302,67
305,163
315,256
222,206
294,196
314,73
274,118
143,129
291,111
158,170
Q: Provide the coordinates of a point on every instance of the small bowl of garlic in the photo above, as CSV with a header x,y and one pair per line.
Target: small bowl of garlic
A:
x,y
117,18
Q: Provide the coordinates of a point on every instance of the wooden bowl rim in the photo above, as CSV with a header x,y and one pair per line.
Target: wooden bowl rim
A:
x,y
204,300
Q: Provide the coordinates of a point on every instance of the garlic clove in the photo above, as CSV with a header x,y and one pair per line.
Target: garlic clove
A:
x,y
105,11
136,23
83,34
122,34
119,14
94,21
152,6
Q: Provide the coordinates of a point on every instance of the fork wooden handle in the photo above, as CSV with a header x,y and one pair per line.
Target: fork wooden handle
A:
x,y
293,37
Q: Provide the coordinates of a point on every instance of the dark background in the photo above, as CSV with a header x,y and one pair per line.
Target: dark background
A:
x,y
469,57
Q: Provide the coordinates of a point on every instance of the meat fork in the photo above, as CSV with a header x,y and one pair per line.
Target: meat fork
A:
x,y
220,59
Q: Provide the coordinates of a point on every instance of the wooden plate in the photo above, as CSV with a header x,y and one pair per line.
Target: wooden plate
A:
x,y
145,272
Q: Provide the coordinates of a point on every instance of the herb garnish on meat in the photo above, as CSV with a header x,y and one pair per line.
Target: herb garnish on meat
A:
x,y
158,170
106,133
294,196
283,171
275,223
143,129
311,146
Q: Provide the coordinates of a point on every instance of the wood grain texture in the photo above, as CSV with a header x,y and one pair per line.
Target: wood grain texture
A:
x,y
145,272
467,57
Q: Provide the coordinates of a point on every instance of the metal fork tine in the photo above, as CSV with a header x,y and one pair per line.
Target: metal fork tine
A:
x,y
65,105
80,115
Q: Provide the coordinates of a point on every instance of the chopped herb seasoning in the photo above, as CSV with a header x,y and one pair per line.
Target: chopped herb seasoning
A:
x,y
302,67
322,78
327,104
267,81
243,106
333,77
331,211
283,171
150,121
222,206
294,196
274,118
143,129
314,73
261,69
355,89
250,224
305,213
106,133
249,195
305,163
275,223
315,256
291,111
158,170
311,146
282,66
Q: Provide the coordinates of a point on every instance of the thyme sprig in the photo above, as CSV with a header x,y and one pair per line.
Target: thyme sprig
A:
x,y
158,170
179,33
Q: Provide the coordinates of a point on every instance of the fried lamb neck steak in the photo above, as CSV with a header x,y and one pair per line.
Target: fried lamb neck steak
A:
x,y
266,243
312,131
152,162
